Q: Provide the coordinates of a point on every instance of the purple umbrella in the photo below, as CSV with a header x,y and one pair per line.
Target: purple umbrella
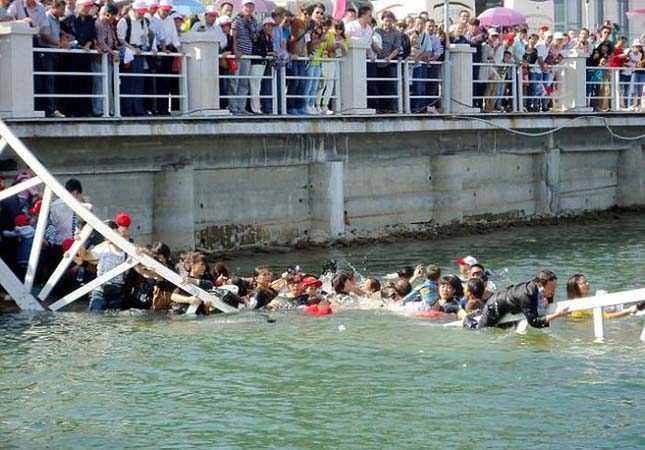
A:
x,y
261,6
501,17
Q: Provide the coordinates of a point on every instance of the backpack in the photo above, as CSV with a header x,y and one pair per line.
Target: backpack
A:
x,y
128,30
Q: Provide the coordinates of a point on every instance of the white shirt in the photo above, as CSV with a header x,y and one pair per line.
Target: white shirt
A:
x,y
215,29
109,257
61,217
165,30
138,31
358,33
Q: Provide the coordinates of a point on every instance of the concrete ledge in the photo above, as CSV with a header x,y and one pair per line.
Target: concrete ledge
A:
x,y
312,125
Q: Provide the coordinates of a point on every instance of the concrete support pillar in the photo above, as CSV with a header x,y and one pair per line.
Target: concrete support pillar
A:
x,y
448,173
574,82
16,71
461,79
353,80
629,191
174,205
552,180
202,59
327,198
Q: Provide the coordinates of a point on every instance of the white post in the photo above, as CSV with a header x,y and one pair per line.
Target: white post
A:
x,y
399,87
353,80
461,79
283,90
116,76
598,324
17,71
516,86
446,86
202,59
36,246
183,85
574,82
274,91
615,90
105,75
406,87
337,101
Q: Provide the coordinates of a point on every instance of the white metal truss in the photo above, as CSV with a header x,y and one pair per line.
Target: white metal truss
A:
x,y
21,292
596,303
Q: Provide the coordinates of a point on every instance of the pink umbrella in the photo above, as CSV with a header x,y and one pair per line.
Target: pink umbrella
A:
x,y
261,6
501,17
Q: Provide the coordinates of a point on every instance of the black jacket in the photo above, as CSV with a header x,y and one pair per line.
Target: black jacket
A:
x,y
521,298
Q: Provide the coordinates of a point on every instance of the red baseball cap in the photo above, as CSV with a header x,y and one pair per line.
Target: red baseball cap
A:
x,y
311,281
36,209
123,220
21,220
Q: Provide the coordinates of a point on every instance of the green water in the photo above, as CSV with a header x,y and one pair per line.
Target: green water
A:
x,y
356,379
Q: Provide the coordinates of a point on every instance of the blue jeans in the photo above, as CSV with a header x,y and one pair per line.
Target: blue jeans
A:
x,y
108,296
311,86
636,88
296,86
535,89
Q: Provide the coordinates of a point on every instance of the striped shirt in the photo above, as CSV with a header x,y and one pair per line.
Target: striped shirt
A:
x,y
391,41
245,32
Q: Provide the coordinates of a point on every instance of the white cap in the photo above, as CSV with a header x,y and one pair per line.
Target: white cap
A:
x,y
548,33
268,21
248,1
166,4
493,32
637,43
212,9
140,4
224,20
558,35
175,15
153,3
468,260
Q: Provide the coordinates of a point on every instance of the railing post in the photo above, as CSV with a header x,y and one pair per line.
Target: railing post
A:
x,y
183,85
105,75
17,71
615,90
399,86
353,80
337,101
574,82
520,89
274,90
283,90
515,87
201,52
461,79
406,86
598,324
116,77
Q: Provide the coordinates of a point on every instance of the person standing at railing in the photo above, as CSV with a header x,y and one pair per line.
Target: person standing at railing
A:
x,y
433,70
637,62
4,8
51,38
619,59
226,10
83,34
488,75
421,48
280,38
297,47
210,25
530,61
134,33
361,30
106,42
476,39
315,50
386,69
245,33
260,65
335,47
167,37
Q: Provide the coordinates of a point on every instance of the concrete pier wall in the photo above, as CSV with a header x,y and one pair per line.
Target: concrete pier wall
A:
x,y
231,183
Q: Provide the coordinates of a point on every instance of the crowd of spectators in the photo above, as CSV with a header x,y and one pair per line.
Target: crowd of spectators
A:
x,y
510,64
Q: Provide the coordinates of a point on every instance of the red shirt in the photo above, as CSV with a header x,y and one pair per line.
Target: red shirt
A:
x,y
618,59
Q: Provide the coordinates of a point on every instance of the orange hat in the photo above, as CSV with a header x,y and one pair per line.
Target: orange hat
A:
x,y
123,220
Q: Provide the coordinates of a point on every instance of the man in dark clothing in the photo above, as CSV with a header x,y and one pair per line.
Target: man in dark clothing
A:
x,y
476,38
530,298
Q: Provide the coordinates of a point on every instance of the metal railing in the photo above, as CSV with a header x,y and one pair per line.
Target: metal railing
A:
x,y
608,90
494,81
426,90
111,78
391,101
542,88
313,96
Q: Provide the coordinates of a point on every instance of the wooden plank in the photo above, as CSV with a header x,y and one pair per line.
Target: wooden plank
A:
x,y
16,290
18,188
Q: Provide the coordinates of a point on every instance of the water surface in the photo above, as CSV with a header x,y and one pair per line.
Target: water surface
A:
x,y
356,379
